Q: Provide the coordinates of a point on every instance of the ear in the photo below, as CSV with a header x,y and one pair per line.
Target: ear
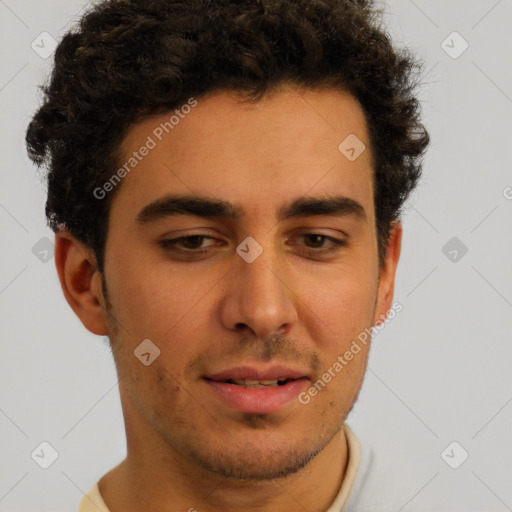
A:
x,y
387,274
80,281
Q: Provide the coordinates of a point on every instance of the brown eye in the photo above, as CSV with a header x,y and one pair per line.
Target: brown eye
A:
x,y
317,245
192,243
315,241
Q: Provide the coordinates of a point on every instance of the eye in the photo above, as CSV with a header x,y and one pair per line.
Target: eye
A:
x,y
319,244
314,240
192,243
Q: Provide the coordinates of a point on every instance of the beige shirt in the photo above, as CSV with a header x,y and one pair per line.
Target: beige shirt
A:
x,y
93,502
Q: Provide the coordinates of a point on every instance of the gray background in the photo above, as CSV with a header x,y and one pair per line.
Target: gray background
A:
x,y
438,373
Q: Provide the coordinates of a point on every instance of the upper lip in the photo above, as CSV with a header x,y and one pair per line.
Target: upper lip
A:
x,y
252,373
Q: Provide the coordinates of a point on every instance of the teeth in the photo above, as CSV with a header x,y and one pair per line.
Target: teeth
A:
x,y
255,384
239,382
268,382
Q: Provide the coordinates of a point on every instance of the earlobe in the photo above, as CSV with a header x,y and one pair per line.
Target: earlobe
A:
x,y
80,281
388,272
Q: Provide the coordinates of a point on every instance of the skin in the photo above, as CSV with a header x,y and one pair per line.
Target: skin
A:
x,y
296,304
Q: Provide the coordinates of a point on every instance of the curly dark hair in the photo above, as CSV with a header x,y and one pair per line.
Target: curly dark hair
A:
x,y
130,59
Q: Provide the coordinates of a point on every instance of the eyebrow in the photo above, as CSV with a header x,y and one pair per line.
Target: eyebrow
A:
x,y
207,207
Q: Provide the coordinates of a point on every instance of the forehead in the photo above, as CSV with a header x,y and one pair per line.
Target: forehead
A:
x,y
253,154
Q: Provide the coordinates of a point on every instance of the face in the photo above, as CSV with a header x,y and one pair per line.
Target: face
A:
x,y
243,245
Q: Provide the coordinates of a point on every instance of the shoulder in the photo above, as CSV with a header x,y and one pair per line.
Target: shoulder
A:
x,y
373,487
93,502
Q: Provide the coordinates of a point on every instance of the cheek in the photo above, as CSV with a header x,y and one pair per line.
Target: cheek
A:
x,y
155,390
169,307
343,300
149,299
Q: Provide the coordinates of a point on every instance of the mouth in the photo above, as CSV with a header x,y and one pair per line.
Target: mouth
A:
x,y
250,391
258,384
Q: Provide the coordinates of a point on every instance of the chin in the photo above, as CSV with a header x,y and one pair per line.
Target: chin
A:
x,y
250,463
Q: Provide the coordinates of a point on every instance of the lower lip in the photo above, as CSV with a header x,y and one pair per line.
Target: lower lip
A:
x,y
260,400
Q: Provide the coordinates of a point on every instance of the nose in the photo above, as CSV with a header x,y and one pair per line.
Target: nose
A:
x,y
259,297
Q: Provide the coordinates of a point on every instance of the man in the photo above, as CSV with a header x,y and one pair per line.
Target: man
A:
x,y
225,184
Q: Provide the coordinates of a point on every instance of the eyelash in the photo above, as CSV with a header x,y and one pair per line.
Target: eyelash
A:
x,y
171,244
